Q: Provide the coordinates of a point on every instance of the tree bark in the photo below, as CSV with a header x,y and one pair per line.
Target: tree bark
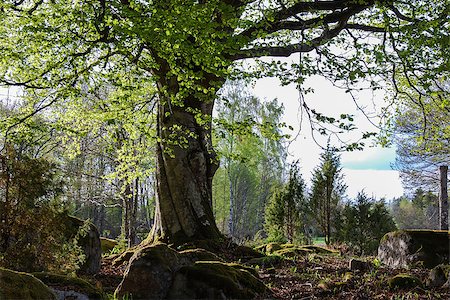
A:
x,y
443,199
186,164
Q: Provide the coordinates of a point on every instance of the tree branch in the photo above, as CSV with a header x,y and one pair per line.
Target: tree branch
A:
x,y
279,19
308,46
365,28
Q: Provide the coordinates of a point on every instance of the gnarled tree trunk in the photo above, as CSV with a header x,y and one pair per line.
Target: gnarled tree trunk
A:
x,y
186,164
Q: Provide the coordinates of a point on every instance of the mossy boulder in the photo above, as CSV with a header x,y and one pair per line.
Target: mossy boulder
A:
x,y
149,273
406,248
215,280
63,284
404,281
89,242
17,285
107,245
159,272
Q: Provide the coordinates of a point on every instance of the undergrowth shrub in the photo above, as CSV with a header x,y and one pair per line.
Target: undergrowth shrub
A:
x,y
34,235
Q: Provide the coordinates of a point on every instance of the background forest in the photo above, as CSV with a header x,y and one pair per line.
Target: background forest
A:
x,y
92,159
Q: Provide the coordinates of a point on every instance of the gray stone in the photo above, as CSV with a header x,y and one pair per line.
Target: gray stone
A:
x,y
437,277
359,265
409,248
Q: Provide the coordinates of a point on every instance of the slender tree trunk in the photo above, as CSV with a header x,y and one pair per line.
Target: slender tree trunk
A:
x,y
328,213
231,213
443,199
4,205
186,164
127,197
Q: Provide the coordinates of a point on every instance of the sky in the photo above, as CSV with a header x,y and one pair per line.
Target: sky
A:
x,y
369,170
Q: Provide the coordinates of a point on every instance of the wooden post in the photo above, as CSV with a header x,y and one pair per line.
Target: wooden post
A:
x,y
443,199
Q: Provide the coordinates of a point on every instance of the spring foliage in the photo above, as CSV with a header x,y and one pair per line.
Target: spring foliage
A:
x,y
33,234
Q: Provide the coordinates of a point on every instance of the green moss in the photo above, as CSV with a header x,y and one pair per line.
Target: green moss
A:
x,y
198,254
242,267
212,245
75,283
123,258
17,285
293,252
402,281
319,250
285,246
266,261
261,248
160,253
272,247
347,277
107,244
234,281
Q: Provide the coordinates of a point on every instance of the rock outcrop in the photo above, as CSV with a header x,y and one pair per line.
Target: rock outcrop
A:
x,y
406,248
17,285
69,287
160,272
107,244
89,241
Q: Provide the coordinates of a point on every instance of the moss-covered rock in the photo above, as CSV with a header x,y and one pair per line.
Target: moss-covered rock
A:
x,y
149,273
266,261
158,272
69,283
215,280
107,244
17,285
89,242
292,252
403,281
406,248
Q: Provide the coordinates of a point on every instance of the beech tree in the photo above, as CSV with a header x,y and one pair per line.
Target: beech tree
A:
x,y
52,49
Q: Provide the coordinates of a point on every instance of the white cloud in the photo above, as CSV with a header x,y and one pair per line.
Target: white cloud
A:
x,y
367,169
377,183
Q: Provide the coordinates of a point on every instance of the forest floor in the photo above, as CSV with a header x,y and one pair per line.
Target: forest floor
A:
x,y
329,277
317,276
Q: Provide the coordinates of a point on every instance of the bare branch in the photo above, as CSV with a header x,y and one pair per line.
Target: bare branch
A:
x,y
285,51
